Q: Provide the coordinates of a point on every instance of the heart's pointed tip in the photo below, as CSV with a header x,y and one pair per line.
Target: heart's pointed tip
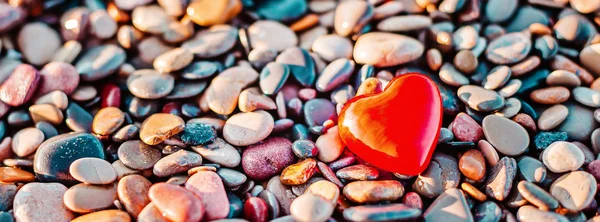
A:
x,y
375,129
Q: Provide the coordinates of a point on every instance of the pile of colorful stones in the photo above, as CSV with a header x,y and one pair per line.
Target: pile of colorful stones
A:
x,y
226,110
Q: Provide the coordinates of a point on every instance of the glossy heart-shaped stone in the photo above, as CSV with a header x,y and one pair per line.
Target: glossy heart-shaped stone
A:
x,y
396,130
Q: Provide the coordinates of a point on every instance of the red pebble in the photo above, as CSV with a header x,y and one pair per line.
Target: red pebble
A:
x,y
256,210
466,129
111,95
172,108
396,130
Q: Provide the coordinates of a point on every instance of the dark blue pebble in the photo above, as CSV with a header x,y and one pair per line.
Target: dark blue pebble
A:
x,y
533,81
300,132
47,128
281,10
78,119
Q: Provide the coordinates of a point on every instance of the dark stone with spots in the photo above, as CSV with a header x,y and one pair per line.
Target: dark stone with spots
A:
x,y
78,119
195,134
543,139
54,157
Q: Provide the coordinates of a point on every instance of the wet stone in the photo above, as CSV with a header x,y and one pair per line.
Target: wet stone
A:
x,y
211,42
373,49
272,77
587,96
351,16
173,60
563,78
580,122
178,162
56,154
336,73
330,145
531,213
381,213
546,46
205,13
137,155
472,165
26,141
107,120
497,77
256,209
373,191
298,173
358,172
200,70
11,175
537,196
451,76
304,149
219,152
501,178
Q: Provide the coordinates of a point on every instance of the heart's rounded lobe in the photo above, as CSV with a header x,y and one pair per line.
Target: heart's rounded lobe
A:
x,y
396,130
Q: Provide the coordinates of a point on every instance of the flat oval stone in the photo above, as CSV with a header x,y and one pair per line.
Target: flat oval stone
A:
x,y
472,165
133,193
441,174
575,190
159,127
99,62
311,207
500,179
499,11
531,169
138,155
176,203
531,213
451,76
305,148
78,119
563,63
150,84
336,73
537,195
552,117
562,157
374,49
178,162
387,212
58,76
480,99
208,13
373,191
358,172
151,213
525,16
281,11
11,175
351,16
38,42
580,122
212,42
507,136
466,61
83,198
245,129
46,113
509,48
151,19
108,120
173,60
219,152
451,204
93,171
40,202
271,34
26,141
200,70
588,55
587,96
331,47
111,215
497,77
511,88
208,186
231,178
20,85
56,154
563,78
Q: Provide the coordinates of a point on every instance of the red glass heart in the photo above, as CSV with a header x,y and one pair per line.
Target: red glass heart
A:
x,y
396,130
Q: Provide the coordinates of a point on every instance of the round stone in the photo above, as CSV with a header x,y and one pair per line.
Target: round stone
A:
x,y
151,19
404,23
451,76
84,198
41,202
26,141
265,160
311,207
159,127
107,120
93,171
552,117
54,157
382,49
562,157
575,191
150,84
441,174
351,16
531,169
245,129
331,47
587,96
58,76
219,152
497,77
330,145
138,155
173,60
178,162
38,42
507,136
208,13
588,57
480,99
563,78
472,165
509,48
465,128
271,34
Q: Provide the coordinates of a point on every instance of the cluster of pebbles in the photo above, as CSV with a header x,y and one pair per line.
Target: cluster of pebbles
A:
x,y
202,110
